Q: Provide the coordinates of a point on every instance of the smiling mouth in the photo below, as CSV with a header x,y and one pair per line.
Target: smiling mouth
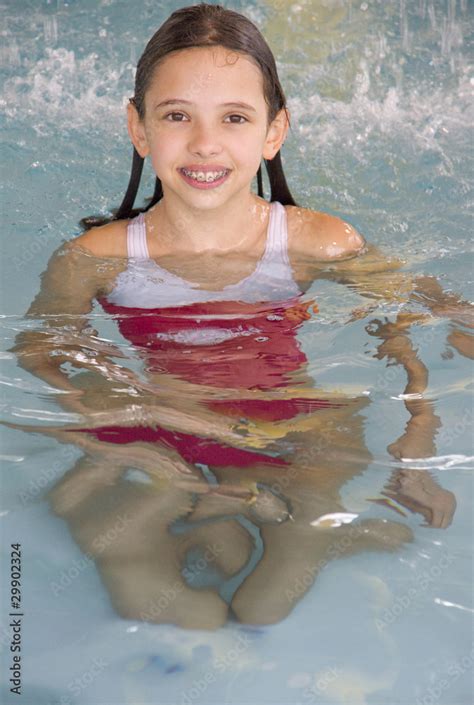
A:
x,y
205,177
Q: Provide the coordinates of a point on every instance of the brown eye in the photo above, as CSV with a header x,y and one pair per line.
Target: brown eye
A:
x,y
171,116
241,119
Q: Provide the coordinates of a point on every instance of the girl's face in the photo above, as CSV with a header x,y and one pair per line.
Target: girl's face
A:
x,y
206,125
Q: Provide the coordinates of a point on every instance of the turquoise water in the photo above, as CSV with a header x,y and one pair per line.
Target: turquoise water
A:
x,y
380,97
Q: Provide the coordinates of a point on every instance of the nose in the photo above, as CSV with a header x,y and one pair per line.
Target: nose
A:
x,y
204,140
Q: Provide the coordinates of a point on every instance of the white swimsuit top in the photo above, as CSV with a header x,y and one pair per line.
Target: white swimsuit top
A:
x,y
144,284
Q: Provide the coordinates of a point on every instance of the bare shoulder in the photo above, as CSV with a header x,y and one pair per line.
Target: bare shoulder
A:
x,y
322,236
108,240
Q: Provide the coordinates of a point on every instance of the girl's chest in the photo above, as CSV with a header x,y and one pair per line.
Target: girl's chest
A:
x,y
214,273
209,271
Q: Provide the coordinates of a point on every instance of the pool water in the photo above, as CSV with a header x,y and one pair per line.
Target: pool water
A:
x,y
380,100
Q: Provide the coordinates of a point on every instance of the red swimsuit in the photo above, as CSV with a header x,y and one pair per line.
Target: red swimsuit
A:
x,y
227,345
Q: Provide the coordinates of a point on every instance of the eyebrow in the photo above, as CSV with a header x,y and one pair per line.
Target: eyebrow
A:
x,y
179,101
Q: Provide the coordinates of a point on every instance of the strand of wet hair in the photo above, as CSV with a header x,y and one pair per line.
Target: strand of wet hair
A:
x,y
126,206
279,190
260,182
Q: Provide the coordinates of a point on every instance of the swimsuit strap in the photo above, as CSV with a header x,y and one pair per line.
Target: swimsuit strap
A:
x,y
277,234
136,238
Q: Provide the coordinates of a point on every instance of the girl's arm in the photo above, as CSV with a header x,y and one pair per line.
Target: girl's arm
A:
x,y
73,279
396,346
376,277
413,488
324,246
70,284
68,288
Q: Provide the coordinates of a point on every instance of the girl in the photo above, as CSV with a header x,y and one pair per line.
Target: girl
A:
x,y
206,284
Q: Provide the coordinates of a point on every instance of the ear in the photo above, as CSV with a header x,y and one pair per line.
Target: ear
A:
x,y
276,134
136,130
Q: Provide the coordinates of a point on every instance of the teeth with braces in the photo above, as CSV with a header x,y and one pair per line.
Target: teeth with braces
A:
x,y
205,176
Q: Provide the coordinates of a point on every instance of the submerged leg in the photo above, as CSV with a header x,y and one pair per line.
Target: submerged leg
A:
x,y
297,549
124,526
294,555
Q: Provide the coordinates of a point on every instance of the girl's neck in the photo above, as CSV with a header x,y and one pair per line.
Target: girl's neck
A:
x,y
236,226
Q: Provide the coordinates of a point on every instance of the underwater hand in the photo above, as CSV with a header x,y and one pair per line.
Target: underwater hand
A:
x,y
461,313
448,305
463,342
417,491
442,304
387,329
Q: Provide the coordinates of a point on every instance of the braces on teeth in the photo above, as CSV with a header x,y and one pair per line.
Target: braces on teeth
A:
x,y
207,177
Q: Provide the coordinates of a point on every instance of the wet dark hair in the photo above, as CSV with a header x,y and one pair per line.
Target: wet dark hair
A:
x,y
204,25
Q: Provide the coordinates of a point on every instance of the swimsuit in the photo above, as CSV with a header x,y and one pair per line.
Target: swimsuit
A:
x,y
144,284
242,337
